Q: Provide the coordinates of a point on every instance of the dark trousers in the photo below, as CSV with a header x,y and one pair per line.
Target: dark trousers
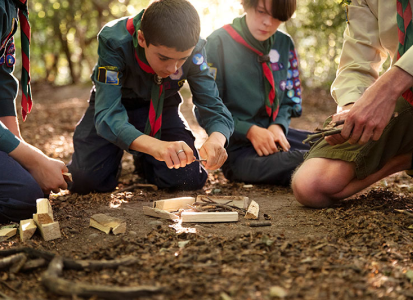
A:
x,y
244,164
96,162
18,191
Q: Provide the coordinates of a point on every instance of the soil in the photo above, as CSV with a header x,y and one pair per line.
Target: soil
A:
x,y
361,248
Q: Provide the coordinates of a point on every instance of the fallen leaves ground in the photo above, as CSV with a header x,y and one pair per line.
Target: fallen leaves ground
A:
x,y
360,249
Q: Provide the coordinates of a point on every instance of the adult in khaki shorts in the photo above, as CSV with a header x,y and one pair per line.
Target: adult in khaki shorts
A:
x,y
375,141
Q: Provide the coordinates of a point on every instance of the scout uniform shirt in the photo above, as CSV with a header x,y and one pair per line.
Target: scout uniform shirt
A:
x,y
240,81
124,79
8,83
370,37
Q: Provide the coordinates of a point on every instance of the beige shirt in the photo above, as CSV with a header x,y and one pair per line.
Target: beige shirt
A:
x,y
370,37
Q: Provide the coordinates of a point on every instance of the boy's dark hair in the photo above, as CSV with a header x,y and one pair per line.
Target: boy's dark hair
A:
x,y
282,10
171,23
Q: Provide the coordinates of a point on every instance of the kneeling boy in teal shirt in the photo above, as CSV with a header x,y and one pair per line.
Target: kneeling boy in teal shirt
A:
x,y
134,105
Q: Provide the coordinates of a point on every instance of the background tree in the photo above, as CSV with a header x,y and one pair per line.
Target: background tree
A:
x,y
64,33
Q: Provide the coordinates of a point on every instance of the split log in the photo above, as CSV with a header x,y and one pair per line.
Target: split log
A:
x,y
50,231
208,217
174,204
159,213
6,233
238,201
44,211
27,229
107,223
63,287
253,211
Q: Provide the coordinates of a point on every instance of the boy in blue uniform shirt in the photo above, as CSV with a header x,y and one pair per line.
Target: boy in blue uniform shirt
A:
x,y
134,106
25,172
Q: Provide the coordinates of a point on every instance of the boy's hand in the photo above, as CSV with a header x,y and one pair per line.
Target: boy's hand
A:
x,y
279,137
46,171
175,154
264,141
213,151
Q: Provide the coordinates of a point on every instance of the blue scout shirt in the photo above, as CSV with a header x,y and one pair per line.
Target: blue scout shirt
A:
x,y
8,83
240,80
125,79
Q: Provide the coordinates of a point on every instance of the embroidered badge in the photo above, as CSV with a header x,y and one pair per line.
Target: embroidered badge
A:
x,y
295,73
298,92
11,49
108,76
1,60
213,71
274,56
177,75
283,83
290,93
291,54
275,67
289,85
296,99
10,60
298,108
204,66
281,65
297,82
289,74
198,59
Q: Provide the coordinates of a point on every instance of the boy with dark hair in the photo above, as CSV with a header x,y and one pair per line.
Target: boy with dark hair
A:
x,y
134,105
257,75
25,172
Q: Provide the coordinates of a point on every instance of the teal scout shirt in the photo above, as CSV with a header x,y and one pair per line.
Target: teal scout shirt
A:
x,y
8,83
125,79
241,85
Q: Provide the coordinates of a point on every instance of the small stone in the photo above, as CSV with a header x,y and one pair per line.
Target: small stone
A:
x,y
277,292
132,233
155,223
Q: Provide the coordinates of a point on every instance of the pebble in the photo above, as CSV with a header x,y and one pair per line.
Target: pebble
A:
x,y
155,223
132,233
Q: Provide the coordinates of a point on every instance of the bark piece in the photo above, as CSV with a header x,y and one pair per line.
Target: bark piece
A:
x,y
27,229
253,211
159,213
238,201
107,223
174,204
209,217
44,211
6,233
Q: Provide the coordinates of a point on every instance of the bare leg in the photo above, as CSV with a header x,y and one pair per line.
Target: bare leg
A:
x,y
319,182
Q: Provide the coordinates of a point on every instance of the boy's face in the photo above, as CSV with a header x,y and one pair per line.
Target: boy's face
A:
x,y
260,21
163,60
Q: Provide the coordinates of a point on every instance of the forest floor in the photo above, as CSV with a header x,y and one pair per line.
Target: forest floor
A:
x,y
361,248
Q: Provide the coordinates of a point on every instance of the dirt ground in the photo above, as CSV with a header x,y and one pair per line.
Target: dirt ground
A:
x,y
361,248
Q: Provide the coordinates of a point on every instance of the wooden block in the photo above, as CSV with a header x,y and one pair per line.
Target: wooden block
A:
x,y
27,229
6,233
44,211
50,231
209,217
107,223
159,213
253,211
174,204
67,177
238,201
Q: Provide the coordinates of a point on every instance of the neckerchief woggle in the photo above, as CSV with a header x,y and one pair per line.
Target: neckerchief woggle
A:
x,y
27,102
405,33
154,123
239,31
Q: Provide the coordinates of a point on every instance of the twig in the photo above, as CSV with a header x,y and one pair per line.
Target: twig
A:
x,y
135,186
311,137
402,211
60,286
259,224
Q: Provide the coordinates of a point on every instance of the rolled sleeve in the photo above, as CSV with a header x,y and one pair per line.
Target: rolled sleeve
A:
x,y
406,61
362,55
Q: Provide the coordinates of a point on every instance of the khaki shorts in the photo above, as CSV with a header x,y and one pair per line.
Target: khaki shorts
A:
x,y
397,139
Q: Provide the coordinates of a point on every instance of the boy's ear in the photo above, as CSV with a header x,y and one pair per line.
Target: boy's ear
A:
x,y
141,39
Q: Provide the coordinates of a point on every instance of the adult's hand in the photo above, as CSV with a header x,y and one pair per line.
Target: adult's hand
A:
x,y
369,116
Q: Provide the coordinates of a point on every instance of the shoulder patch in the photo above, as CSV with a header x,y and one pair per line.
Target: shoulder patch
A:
x,y
108,75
